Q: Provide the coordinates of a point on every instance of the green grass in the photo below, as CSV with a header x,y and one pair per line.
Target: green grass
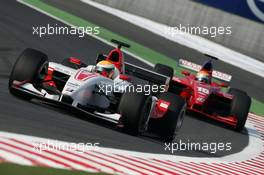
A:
x,y
14,169
257,107
137,49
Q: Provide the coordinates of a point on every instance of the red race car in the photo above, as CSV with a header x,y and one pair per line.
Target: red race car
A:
x,y
207,97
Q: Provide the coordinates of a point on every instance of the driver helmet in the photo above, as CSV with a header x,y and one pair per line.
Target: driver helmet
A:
x,y
105,68
203,76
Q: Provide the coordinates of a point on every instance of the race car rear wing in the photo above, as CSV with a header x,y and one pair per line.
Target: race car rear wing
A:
x,y
195,67
147,75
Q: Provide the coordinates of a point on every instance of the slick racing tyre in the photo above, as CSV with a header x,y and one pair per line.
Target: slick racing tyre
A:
x,y
164,70
31,67
240,107
134,109
171,123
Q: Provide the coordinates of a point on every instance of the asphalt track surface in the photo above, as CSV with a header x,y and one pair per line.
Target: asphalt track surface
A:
x,y
37,119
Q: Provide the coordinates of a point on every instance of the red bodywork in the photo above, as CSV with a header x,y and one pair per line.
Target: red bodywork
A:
x,y
48,80
160,109
205,99
75,60
116,57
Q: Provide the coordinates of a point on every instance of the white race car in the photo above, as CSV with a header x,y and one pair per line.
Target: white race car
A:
x,y
118,98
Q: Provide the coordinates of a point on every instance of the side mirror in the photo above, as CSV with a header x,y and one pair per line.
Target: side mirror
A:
x,y
124,77
185,72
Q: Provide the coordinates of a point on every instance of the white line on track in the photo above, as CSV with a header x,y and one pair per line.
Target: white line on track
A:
x,y
15,158
254,148
20,148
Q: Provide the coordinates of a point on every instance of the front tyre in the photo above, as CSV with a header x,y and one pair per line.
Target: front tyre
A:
x,y
31,67
171,123
134,109
240,107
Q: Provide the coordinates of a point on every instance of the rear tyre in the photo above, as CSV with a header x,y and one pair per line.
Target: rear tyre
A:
x,y
171,123
164,70
31,66
134,109
240,107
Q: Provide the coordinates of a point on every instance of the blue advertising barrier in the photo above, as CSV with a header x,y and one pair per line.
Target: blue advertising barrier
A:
x,y
252,9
